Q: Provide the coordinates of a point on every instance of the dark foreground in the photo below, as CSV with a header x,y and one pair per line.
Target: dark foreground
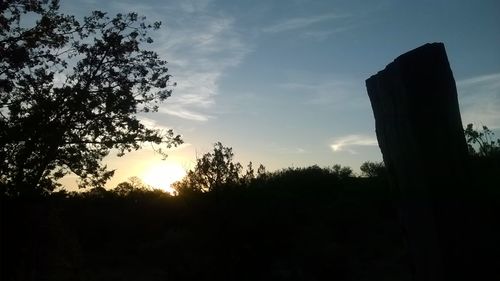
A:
x,y
308,227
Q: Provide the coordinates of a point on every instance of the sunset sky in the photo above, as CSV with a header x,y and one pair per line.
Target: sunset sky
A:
x,y
282,82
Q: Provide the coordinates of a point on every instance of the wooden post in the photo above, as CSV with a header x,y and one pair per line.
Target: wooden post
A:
x,y
420,133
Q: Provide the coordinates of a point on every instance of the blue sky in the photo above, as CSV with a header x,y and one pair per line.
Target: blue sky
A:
x,y
282,82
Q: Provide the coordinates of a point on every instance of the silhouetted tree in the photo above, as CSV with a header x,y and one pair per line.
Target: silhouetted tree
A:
x,y
134,190
342,172
70,91
484,141
127,187
98,192
373,169
212,171
249,174
261,171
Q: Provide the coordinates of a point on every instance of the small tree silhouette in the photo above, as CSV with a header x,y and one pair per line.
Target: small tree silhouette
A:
x,y
483,140
373,169
213,171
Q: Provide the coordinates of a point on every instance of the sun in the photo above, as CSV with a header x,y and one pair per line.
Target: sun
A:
x,y
162,174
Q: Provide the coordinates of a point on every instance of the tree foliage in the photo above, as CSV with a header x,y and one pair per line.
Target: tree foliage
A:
x,y
70,91
341,172
213,171
373,169
481,143
297,224
217,170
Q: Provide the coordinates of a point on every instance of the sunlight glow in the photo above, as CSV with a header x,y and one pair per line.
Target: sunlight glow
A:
x,y
162,174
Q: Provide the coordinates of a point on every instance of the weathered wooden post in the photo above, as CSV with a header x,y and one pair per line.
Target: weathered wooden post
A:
x,y
420,133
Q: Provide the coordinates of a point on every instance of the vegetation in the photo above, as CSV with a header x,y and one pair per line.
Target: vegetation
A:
x,y
373,169
308,223
70,92
294,224
481,143
213,172
484,153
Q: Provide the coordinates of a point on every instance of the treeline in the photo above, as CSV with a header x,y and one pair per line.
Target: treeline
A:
x,y
308,223
294,224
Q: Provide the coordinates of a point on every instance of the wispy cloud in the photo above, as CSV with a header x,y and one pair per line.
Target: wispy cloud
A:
x,y
158,125
482,79
479,99
203,52
180,112
301,22
284,149
190,6
347,143
321,35
200,46
329,91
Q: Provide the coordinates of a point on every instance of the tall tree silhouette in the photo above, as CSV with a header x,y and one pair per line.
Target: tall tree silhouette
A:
x,y
70,92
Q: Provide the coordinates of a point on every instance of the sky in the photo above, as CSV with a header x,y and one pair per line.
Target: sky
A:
x,y
283,82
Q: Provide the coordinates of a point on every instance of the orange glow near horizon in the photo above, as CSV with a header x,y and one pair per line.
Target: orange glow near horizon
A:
x,y
163,174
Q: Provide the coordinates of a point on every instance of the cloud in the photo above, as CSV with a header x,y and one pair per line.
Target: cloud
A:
x,y
301,22
346,143
194,6
194,96
186,114
180,147
482,79
203,50
282,149
479,99
327,91
291,150
200,46
321,35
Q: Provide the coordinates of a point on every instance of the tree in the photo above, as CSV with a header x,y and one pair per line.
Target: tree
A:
x,y
213,171
373,169
70,92
249,175
341,172
483,140
261,171
127,187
